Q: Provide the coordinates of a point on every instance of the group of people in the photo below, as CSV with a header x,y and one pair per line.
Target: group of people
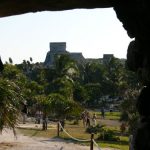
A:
x,y
87,119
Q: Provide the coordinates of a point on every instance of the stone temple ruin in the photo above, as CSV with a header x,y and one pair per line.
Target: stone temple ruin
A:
x,y
59,48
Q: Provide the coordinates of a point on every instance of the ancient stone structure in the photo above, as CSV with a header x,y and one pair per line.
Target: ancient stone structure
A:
x,y
134,14
58,48
55,49
107,57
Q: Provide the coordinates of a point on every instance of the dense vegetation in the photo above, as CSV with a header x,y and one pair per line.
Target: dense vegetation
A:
x,y
63,90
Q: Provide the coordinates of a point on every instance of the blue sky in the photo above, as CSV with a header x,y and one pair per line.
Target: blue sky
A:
x,y
93,32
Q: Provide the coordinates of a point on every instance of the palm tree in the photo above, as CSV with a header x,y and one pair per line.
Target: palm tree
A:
x,y
31,59
66,72
65,66
44,107
10,101
63,108
10,60
129,112
1,65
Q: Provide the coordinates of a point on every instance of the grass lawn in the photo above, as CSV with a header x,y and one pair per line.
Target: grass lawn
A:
x,y
122,144
109,115
112,115
78,131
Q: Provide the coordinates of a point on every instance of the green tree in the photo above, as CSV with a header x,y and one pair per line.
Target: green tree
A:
x,y
63,108
94,93
44,105
80,94
31,59
10,102
10,60
114,77
130,93
129,112
94,72
10,72
65,66
66,73
63,86
1,65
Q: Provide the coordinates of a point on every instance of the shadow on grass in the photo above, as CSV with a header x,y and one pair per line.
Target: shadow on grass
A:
x,y
114,142
24,128
35,131
61,139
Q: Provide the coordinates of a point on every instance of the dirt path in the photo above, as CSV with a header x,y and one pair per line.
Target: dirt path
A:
x,y
8,142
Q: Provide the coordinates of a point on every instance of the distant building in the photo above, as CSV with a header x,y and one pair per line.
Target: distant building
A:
x,y
94,60
55,49
107,57
78,57
59,48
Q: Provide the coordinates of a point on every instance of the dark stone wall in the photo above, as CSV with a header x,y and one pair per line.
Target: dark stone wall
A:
x,y
134,14
15,7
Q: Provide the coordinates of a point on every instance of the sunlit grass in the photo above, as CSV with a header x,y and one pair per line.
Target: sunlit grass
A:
x,y
78,131
50,133
112,115
108,115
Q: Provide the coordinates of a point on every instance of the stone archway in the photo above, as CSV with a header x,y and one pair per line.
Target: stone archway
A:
x,y
134,14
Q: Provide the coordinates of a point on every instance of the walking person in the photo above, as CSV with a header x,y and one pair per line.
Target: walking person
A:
x,y
94,119
88,119
83,117
103,112
123,127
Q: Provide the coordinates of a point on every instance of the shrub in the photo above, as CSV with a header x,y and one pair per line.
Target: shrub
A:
x,y
96,129
108,135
